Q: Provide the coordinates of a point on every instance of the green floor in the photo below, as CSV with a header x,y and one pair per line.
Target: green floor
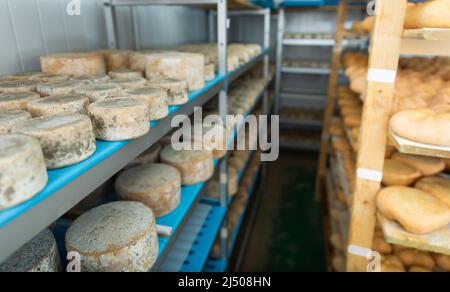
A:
x,y
288,233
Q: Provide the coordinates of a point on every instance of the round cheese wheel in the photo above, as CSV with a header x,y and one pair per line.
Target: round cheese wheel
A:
x,y
411,257
10,118
116,59
195,166
121,118
58,88
158,186
116,237
183,66
23,76
40,76
438,187
397,173
151,155
177,90
8,86
210,72
92,79
98,92
443,262
38,255
58,104
22,168
154,97
138,59
66,139
418,212
128,83
17,101
429,14
74,64
392,264
125,73
426,165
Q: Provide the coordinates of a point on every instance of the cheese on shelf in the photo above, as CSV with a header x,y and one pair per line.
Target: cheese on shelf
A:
x,y
210,72
17,101
128,83
116,237
195,166
138,59
58,104
65,139
438,187
58,88
10,118
39,76
74,64
125,73
183,66
154,97
428,166
92,79
158,186
118,119
22,168
116,59
40,255
177,90
397,173
151,155
8,86
98,92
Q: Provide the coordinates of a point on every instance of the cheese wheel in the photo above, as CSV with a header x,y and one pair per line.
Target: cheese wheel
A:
x,y
116,237
417,269
418,212
151,155
392,264
23,170
118,119
443,262
58,88
39,76
158,186
411,257
58,104
212,189
210,72
435,14
438,187
116,59
195,166
98,92
397,173
22,76
10,118
92,79
8,86
426,165
125,73
177,90
128,83
38,255
74,64
16,101
155,98
65,139
183,66
138,59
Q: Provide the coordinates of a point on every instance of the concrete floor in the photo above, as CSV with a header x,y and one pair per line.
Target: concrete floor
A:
x,y
288,231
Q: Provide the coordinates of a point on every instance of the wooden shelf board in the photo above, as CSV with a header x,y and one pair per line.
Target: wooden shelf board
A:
x,y
430,34
410,147
438,241
423,47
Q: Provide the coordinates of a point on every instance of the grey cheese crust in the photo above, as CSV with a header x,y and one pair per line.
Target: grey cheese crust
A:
x,y
59,104
38,255
17,100
22,169
177,90
116,237
98,92
58,88
154,97
66,139
119,119
158,186
10,118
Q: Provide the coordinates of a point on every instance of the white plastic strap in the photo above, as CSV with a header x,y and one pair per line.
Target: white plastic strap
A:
x,y
381,75
369,174
165,231
359,251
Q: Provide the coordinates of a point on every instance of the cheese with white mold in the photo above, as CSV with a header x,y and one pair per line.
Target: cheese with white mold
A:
x,y
177,90
22,169
98,92
17,101
65,139
156,99
92,79
58,104
10,118
74,64
128,83
58,88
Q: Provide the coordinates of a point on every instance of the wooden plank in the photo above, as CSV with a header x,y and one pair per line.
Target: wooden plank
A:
x,y
409,147
377,106
421,47
438,241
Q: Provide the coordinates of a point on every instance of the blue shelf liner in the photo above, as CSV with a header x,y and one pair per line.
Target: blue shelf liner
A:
x,y
57,179
216,266
196,260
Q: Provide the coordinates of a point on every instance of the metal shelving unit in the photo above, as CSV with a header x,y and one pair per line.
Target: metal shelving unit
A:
x,y
68,186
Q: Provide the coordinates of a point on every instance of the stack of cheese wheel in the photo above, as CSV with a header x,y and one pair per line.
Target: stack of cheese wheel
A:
x,y
74,64
17,101
13,86
58,88
98,92
154,97
59,104
195,166
116,237
124,73
177,90
10,118
158,186
183,66
92,79
121,118
38,255
23,170
65,139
